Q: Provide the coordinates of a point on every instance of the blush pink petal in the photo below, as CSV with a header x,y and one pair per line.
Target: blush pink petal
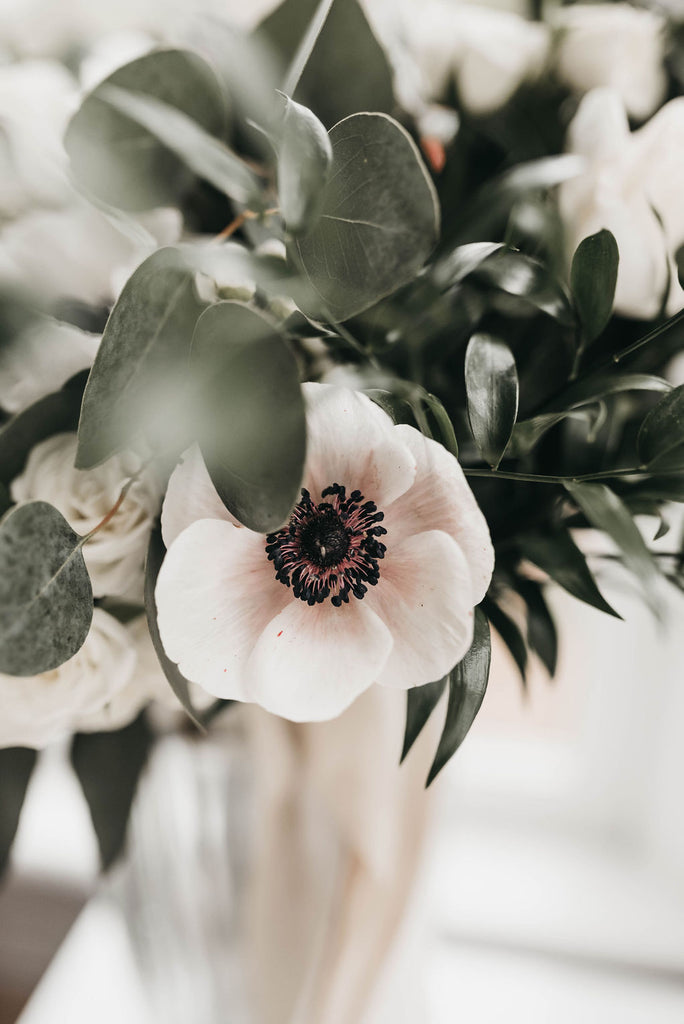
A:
x,y
354,443
441,499
215,595
424,598
190,496
310,663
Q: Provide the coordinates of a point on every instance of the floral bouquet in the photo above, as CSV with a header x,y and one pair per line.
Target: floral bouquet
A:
x,y
325,347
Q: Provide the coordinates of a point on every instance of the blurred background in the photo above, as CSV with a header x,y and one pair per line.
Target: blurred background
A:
x,y
552,887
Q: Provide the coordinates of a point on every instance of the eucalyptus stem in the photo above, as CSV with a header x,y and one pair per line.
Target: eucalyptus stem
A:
x,y
117,504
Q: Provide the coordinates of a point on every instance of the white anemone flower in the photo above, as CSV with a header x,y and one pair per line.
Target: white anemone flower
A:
x,y
373,579
116,554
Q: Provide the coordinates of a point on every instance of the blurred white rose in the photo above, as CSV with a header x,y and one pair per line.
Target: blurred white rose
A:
x,y
489,53
116,554
613,45
632,186
95,689
37,98
40,360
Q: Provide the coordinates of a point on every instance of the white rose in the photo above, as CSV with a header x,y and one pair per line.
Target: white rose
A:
x,y
40,360
629,176
116,554
489,53
83,693
614,45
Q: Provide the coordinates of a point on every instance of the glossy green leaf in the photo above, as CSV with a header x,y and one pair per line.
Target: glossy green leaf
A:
x,y
593,277
379,219
467,686
177,681
660,441
557,555
462,261
509,633
542,636
491,381
607,512
46,600
679,260
421,701
109,766
527,279
139,376
116,158
304,161
347,70
16,768
204,154
253,430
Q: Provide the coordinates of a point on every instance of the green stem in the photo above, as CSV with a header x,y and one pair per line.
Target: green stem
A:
x,y
301,57
651,336
534,478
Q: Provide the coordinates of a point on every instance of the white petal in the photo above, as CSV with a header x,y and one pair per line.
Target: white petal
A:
x,y
353,442
311,663
441,499
424,598
599,129
190,496
215,594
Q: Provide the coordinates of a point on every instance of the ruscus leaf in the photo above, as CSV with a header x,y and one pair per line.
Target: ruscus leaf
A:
x,y
16,768
509,633
491,382
660,442
593,277
421,701
557,555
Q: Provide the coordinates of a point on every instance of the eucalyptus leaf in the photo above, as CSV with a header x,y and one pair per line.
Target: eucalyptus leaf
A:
x,y
304,161
557,555
46,600
467,686
139,377
252,428
177,681
660,442
204,154
593,277
379,220
606,511
117,158
347,70
421,701
16,768
108,766
509,633
491,381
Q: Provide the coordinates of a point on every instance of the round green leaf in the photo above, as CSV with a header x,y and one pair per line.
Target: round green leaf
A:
x,y
304,159
492,388
140,372
116,158
379,219
46,600
251,418
592,280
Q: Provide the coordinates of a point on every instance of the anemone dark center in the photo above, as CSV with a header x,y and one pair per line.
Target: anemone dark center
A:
x,y
330,549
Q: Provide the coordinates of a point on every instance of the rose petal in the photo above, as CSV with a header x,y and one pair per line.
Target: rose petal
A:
x,y
215,594
190,496
441,499
353,442
424,597
310,663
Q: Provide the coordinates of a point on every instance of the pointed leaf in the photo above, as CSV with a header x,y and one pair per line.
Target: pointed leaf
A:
x,y
509,633
542,635
253,429
16,768
421,701
467,686
462,261
117,158
108,766
139,376
304,160
519,275
607,512
46,600
592,280
557,555
492,388
660,441
177,681
379,220
204,154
